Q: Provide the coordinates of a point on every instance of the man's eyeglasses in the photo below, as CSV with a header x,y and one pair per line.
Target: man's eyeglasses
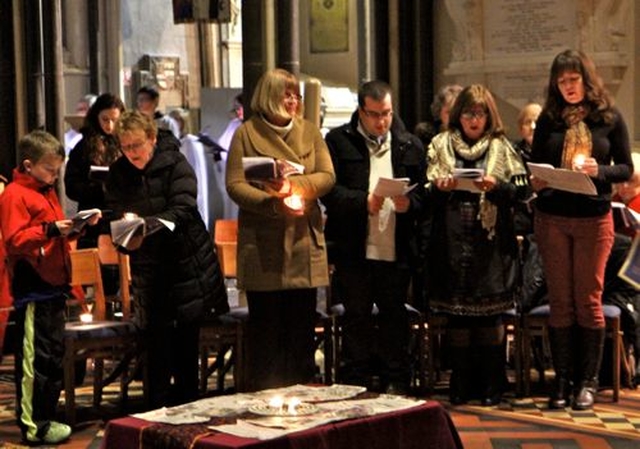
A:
x,y
470,115
377,115
132,146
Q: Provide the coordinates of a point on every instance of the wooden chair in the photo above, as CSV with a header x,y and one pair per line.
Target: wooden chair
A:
x,y
226,241
99,340
109,255
436,326
225,336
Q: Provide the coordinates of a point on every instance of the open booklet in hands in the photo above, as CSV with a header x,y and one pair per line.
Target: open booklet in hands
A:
x,y
563,179
467,177
262,168
81,218
130,231
390,187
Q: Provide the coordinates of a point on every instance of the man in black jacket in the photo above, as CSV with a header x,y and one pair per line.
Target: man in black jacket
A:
x,y
370,237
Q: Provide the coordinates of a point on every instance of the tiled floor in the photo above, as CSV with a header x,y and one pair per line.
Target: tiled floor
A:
x,y
514,424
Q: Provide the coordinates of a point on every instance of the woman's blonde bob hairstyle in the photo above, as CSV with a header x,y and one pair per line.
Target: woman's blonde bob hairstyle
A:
x,y
132,121
268,97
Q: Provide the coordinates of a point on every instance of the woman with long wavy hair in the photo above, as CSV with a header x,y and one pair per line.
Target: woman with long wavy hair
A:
x,y
99,148
579,129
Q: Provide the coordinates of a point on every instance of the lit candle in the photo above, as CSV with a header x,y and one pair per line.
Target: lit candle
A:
x,y
276,403
129,216
295,203
86,317
578,161
291,406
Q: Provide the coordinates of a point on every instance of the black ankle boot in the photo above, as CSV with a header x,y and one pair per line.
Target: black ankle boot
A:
x,y
591,346
560,340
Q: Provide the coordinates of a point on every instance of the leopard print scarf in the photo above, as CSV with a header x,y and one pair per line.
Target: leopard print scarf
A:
x,y
577,139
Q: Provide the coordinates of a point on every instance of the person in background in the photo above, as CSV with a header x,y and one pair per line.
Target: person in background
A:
x,y
224,141
176,277
36,238
98,148
237,118
282,257
472,264
73,136
579,129
440,110
371,237
628,192
147,101
527,118
426,131
211,191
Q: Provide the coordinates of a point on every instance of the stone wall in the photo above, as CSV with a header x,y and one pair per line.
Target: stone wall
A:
x,y
508,45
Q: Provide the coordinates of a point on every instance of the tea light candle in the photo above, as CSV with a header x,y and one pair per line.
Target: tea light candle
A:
x,y
277,403
86,317
294,202
292,404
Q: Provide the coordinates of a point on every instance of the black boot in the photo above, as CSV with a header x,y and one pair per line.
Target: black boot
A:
x,y
491,364
459,359
493,377
591,346
459,381
560,339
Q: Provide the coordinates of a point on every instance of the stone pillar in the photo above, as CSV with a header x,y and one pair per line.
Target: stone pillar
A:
x,y
53,67
288,26
253,25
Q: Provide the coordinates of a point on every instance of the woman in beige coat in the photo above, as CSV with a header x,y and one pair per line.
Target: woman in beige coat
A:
x,y
281,248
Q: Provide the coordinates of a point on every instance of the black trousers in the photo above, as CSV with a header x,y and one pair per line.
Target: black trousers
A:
x,y
172,363
373,346
280,340
38,364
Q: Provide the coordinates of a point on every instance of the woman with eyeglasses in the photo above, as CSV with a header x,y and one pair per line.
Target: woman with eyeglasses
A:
x,y
282,256
472,262
176,277
579,129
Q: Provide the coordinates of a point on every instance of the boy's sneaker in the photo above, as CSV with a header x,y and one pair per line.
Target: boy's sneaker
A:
x,y
56,434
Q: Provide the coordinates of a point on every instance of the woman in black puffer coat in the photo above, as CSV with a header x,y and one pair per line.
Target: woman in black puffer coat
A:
x,y
176,276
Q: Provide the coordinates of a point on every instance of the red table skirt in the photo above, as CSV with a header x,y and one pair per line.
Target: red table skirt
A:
x,y
424,426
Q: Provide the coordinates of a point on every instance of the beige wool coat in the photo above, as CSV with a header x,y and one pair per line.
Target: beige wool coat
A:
x,y
276,250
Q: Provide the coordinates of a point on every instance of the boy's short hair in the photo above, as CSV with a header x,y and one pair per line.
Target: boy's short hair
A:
x,y
36,145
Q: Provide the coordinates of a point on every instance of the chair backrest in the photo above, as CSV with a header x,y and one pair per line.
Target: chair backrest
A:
x,y
109,255
226,241
85,271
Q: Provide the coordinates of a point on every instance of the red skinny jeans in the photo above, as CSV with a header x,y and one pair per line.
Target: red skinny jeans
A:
x,y
574,255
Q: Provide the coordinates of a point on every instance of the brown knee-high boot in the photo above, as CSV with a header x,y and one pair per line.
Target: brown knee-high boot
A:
x,y
590,348
561,342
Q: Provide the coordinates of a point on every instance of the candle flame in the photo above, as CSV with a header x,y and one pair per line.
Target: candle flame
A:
x,y
294,202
